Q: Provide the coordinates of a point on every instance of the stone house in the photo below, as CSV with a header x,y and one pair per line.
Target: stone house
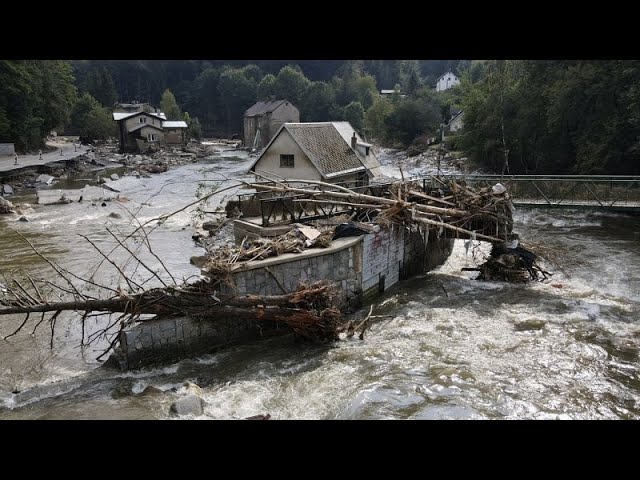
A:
x,y
139,130
263,120
328,151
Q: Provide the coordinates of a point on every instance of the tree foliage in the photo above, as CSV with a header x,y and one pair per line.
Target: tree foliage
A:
x,y
318,102
100,85
320,89
36,96
266,87
541,116
169,106
354,114
237,93
558,116
291,84
91,120
374,119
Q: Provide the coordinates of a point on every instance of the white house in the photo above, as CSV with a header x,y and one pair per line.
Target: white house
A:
x,y
446,81
328,151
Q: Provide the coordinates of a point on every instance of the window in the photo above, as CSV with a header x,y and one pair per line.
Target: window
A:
x,y
286,161
143,119
151,137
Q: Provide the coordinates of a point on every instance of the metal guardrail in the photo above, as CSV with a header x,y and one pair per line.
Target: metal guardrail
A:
x,y
280,208
620,192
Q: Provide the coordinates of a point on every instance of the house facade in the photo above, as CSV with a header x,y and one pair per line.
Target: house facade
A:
x,y
447,81
327,151
263,120
139,130
174,132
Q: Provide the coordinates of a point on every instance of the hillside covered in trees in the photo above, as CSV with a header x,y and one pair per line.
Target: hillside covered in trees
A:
x,y
520,116
553,116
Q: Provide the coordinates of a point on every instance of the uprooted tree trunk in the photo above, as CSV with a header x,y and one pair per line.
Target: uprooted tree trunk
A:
x,y
308,311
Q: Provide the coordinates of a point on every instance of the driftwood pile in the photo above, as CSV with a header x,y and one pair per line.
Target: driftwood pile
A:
x,y
459,210
222,261
515,265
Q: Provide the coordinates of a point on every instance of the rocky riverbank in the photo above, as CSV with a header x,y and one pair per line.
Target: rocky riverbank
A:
x,y
419,164
101,157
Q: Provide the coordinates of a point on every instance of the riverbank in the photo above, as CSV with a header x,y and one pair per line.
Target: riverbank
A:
x,y
69,159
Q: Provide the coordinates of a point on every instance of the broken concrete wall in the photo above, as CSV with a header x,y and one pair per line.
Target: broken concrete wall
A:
x,y
382,258
169,339
342,267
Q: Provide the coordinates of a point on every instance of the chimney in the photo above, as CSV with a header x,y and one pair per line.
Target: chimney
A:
x,y
353,141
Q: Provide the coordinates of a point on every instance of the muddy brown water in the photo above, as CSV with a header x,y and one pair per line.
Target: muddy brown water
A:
x,y
449,347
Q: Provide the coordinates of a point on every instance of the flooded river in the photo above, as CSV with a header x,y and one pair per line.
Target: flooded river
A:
x,y
449,347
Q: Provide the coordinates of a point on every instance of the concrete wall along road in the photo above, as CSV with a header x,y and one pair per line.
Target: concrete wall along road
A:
x,y
7,149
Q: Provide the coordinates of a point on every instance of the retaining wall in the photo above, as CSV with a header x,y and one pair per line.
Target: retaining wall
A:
x,y
7,149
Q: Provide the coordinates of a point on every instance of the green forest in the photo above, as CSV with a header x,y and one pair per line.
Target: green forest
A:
x,y
520,116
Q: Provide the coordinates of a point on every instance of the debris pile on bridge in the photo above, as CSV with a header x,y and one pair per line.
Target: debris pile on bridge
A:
x,y
464,212
448,206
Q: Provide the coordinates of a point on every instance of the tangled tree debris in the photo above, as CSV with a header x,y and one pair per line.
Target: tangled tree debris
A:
x,y
222,261
516,265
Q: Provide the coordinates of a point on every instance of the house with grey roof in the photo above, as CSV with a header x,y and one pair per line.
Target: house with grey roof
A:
x,y
138,130
328,151
263,120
